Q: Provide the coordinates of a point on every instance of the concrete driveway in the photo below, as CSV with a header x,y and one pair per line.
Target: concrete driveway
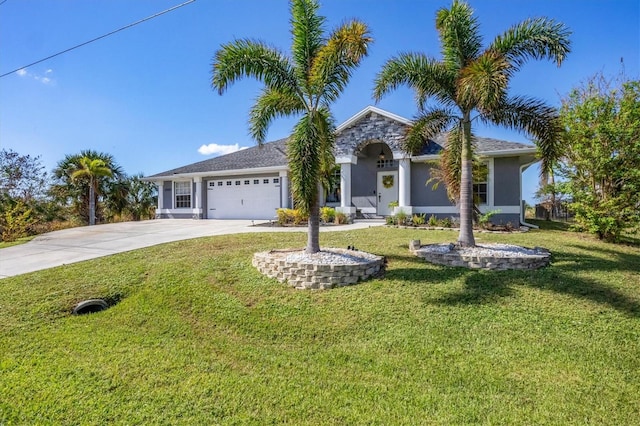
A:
x,y
89,242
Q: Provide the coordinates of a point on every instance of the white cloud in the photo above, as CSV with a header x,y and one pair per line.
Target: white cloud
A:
x,y
215,149
37,77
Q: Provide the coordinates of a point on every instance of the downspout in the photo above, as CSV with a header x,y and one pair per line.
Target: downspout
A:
x,y
522,222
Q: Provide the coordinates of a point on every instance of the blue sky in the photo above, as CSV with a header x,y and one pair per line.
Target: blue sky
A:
x,y
143,94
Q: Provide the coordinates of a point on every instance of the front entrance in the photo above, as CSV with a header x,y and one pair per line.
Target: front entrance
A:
x,y
387,192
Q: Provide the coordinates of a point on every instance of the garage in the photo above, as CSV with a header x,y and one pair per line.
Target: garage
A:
x,y
243,198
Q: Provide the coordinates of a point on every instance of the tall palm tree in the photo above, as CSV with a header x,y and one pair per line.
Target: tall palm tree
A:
x,y
91,169
303,84
471,82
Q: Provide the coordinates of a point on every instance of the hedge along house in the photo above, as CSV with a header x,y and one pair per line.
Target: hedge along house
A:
x,y
374,175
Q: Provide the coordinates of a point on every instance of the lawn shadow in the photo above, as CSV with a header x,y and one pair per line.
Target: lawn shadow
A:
x,y
490,286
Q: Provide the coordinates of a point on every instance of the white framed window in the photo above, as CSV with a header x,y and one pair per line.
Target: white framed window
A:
x,y
384,164
182,191
212,183
219,183
246,182
481,184
256,181
265,181
237,182
276,180
228,183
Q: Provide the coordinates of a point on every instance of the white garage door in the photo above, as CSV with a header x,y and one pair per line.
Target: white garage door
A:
x,y
243,198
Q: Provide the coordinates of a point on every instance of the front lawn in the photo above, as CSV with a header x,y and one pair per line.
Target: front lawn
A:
x,y
197,336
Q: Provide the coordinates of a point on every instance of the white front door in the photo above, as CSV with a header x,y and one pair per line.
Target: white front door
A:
x,y
387,192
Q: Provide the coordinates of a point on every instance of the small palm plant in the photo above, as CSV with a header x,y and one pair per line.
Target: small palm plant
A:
x,y
304,84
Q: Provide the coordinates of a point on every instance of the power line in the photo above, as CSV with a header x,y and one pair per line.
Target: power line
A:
x,y
98,38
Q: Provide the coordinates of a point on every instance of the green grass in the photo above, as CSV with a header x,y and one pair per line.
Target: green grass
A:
x,y
19,241
198,336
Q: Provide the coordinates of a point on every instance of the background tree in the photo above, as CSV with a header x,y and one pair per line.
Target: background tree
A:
x,y
471,80
141,198
22,176
601,159
304,84
75,192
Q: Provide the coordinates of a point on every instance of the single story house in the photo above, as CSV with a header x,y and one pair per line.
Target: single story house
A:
x,y
373,173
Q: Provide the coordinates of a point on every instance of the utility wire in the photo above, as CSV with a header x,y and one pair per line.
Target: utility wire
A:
x,y
98,38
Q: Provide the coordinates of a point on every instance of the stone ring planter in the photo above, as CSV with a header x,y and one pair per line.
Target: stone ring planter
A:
x,y
483,256
328,269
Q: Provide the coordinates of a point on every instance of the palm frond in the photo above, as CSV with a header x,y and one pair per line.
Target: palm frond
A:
x,y
336,60
304,150
459,34
537,119
426,76
248,58
307,31
271,104
428,124
539,38
484,82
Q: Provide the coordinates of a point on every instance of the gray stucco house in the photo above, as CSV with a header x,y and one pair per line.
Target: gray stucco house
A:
x,y
374,171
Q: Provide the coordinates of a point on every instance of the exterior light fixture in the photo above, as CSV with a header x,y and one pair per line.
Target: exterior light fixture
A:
x,y
381,156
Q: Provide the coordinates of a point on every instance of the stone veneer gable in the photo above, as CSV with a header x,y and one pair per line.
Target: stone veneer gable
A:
x,y
373,127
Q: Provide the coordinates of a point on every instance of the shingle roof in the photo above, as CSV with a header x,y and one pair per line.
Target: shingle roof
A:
x,y
270,154
482,145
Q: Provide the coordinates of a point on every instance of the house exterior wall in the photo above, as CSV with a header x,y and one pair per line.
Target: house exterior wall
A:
x,y
423,194
507,179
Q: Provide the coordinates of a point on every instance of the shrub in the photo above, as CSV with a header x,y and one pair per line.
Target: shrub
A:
x,y
433,220
418,219
390,220
401,218
298,217
15,222
327,214
446,222
484,221
341,218
285,216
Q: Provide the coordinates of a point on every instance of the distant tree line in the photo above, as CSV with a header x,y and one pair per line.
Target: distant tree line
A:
x,y
84,188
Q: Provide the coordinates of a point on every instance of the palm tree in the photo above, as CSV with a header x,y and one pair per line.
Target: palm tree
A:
x,y
91,169
74,192
304,84
472,80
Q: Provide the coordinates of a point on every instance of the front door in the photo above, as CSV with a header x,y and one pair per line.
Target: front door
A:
x,y
387,192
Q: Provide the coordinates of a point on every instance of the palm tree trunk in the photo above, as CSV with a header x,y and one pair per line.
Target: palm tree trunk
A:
x,y
313,235
92,204
465,239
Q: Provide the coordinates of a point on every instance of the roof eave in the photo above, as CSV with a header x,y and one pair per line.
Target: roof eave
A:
x,y
231,172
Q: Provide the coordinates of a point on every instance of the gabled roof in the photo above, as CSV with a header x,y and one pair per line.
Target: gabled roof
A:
x,y
272,156
369,109
483,146
269,155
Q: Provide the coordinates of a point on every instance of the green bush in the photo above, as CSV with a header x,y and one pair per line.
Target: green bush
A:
x,y
401,218
418,219
484,221
327,214
446,222
16,221
433,220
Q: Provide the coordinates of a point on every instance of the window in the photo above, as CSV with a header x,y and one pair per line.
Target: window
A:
x,y
265,181
183,195
220,183
212,183
333,192
237,182
276,180
256,181
383,164
228,183
480,183
246,182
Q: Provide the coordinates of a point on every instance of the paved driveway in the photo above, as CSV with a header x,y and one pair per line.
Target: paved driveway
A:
x,y
88,242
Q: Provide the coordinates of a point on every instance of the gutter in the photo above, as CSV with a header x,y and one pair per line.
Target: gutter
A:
x,y
522,222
